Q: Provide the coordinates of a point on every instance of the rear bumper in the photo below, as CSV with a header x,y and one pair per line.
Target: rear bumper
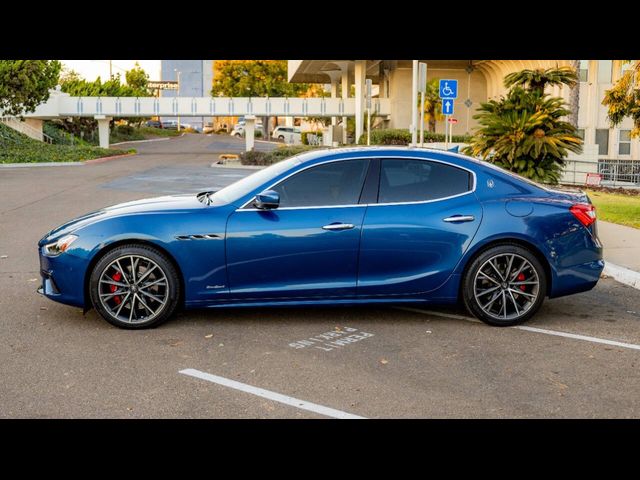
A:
x,y
576,279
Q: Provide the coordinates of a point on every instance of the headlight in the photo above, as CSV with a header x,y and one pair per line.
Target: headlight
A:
x,y
62,245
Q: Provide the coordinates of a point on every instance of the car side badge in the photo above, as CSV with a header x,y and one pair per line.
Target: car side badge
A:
x,y
490,183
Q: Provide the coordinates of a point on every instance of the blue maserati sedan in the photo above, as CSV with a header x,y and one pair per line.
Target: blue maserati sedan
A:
x,y
333,227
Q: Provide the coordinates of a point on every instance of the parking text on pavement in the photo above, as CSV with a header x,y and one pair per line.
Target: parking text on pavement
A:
x,y
332,340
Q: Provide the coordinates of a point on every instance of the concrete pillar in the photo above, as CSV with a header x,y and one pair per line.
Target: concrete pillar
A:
x,y
103,130
249,132
360,75
414,104
345,94
334,94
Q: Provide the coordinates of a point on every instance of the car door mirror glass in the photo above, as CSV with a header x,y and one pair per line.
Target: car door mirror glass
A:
x,y
267,200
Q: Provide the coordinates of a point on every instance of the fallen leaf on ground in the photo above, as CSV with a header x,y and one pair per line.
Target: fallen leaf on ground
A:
x,y
43,308
33,279
428,331
209,336
384,361
4,256
221,345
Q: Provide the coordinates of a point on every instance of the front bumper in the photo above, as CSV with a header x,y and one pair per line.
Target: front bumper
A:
x,y
63,278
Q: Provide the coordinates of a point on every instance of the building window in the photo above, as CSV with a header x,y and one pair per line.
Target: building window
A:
x,y
602,139
580,133
583,71
624,142
605,68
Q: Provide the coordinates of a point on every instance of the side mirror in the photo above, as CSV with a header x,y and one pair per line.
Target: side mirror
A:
x,y
267,200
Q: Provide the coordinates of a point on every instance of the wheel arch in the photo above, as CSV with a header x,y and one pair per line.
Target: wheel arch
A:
x,y
534,249
131,241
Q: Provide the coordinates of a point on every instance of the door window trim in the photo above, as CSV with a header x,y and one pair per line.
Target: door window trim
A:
x,y
368,157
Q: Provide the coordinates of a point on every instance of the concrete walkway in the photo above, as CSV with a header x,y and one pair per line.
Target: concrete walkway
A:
x,y
621,244
621,252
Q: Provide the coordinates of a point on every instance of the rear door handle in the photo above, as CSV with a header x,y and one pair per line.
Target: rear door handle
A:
x,y
338,226
459,218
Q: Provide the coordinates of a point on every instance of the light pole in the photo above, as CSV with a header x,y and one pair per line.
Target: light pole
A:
x,y
178,94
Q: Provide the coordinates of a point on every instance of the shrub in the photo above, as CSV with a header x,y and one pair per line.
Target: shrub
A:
x,y
403,137
305,139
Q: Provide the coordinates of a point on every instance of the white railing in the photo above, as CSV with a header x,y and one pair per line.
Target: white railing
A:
x,y
26,129
208,106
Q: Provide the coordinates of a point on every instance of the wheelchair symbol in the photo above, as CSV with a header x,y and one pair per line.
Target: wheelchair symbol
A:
x,y
446,90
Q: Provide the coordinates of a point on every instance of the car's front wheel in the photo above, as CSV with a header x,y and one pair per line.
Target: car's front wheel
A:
x,y
504,285
134,286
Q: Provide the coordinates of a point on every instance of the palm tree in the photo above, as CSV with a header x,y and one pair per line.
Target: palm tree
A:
x,y
432,104
524,131
538,79
574,98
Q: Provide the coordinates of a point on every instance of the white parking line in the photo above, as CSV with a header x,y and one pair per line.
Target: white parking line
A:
x,y
276,397
575,336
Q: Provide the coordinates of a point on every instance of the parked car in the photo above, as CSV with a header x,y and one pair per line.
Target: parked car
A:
x,y
287,134
208,128
170,124
333,227
238,129
153,123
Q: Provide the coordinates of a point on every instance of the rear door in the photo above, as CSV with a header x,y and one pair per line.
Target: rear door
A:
x,y
423,221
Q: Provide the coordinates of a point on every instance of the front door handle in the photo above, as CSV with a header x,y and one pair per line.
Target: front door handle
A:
x,y
338,226
459,218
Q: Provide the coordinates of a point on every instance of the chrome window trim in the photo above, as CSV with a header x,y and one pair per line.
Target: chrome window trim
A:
x,y
368,157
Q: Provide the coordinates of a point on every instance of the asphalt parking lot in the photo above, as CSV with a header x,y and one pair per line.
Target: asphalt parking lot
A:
x,y
578,358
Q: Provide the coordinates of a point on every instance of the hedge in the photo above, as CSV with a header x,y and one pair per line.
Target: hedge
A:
x,y
403,137
274,156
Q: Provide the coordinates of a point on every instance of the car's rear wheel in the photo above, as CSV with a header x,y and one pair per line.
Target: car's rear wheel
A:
x,y
504,285
134,286
281,138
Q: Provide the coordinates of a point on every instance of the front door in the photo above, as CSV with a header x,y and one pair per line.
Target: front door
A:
x,y
423,222
308,246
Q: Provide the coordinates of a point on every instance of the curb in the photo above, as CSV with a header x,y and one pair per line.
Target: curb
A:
x,y
622,274
143,141
106,159
41,164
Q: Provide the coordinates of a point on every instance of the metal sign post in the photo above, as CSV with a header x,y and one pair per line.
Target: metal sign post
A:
x,y
368,85
448,93
422,88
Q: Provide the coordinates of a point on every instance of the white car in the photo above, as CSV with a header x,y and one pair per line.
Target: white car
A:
x,y
238,129
287,134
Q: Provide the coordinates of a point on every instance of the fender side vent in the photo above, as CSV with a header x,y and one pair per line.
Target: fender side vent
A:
x,y
206,236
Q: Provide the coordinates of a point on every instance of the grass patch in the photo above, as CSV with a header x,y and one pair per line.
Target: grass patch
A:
x,y
616,208
18,148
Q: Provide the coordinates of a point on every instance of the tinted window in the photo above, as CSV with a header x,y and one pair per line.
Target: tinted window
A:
x,y
420,180
336,183
602,139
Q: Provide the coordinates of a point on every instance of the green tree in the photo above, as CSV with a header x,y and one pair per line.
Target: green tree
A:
x,y
24,84
525,130
623,100
255,78
138,80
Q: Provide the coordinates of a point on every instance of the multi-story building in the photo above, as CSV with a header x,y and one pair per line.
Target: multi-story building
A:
x,y
478,81
196,80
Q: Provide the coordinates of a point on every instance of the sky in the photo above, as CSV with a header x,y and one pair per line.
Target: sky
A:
x,y
92,69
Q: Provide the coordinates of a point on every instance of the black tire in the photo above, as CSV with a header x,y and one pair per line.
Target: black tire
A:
x,y
499,255
169,290
281,138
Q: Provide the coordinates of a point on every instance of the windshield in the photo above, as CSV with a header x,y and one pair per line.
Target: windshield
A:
x,y
239,189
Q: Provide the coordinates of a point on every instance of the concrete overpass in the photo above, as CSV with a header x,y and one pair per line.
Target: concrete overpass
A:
x,y
103,109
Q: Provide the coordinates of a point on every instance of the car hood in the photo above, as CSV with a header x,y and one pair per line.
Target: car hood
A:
x,y
165,204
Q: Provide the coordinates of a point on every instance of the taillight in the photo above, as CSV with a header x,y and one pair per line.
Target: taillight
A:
x,y
584,212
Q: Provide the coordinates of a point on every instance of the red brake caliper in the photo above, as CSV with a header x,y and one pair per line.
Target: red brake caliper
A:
x,y
116,278
521,279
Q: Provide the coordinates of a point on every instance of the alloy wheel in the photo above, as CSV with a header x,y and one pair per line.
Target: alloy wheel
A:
x,y
506,286
133,289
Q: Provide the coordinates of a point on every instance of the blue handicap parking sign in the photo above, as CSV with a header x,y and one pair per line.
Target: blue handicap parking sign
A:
x,y
447,106
448,88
